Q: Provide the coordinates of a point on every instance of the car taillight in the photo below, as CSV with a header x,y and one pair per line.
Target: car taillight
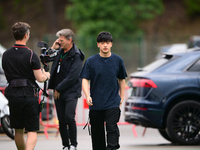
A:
x,y
139,108
146,83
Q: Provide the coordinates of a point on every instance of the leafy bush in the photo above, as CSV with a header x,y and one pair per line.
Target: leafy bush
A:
x,y
192,7
118,17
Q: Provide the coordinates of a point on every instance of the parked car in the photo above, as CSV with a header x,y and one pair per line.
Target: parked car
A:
x,y
3,81
178,47
2,50
194,41
166,95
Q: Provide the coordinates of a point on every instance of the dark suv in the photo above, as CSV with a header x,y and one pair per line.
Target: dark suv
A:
x,y
166,95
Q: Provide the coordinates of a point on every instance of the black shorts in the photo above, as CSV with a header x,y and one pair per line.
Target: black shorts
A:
x,y
24,113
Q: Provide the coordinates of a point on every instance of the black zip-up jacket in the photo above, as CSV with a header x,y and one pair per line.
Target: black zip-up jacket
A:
x,y
67,82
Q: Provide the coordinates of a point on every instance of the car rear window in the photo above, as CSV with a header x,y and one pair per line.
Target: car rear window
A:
x,y
159,62
156,64
195,67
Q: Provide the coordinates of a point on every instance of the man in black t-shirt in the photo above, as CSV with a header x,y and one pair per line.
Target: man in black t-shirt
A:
x,y
22,67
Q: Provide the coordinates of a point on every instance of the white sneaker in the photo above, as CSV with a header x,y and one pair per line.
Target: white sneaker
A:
x,y
72,147
65,148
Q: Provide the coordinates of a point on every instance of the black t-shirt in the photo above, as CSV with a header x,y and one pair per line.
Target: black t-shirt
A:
x,y
19,62
103,74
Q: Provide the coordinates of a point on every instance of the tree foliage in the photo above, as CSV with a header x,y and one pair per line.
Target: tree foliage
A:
x,y
119,17
192,7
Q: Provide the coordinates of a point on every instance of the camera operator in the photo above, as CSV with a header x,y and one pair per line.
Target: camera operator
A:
x,y
66,83
22,67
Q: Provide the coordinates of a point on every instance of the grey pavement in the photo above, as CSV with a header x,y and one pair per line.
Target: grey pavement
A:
x,y
129,140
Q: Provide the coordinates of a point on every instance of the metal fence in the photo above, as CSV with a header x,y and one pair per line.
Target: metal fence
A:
x,y
48,116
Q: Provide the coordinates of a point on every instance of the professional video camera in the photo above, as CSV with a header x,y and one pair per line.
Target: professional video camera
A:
x,y
47,54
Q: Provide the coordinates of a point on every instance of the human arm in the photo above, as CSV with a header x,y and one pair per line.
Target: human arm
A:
x,y
121,89
41,75
85,87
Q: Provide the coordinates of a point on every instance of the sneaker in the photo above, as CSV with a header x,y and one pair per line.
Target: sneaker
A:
x,y
72,147
65,148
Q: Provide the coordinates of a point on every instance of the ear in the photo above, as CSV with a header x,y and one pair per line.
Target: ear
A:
x,y
26,35
70,40
98,44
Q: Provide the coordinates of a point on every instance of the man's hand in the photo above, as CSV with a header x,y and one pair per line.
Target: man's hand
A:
x,y
56,44
89,101
121,103
56,95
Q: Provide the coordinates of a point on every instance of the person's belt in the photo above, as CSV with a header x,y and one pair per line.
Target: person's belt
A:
x,y
18,83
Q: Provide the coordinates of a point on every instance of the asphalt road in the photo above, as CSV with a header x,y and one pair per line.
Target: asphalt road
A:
x,y
130,139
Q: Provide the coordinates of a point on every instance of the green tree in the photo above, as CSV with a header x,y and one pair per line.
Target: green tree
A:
x,y
192,7
120,17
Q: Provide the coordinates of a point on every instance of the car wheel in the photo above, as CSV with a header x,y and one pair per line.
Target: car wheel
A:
x,y
164,134
183,123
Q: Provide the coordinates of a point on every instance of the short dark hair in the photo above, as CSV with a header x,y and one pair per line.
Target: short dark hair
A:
x,y
19,29
104,37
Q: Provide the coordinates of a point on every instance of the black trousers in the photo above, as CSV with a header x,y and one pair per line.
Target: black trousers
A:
x,y
97,119
65,109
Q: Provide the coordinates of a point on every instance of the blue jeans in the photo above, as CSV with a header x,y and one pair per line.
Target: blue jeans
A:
x,y
97,119
65,109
